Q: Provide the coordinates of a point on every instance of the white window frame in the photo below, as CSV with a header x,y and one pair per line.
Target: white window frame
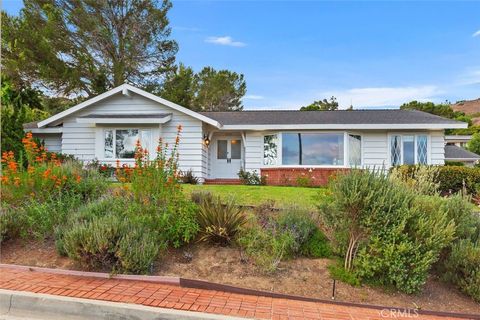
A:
x,y
280,164
101,144
415,135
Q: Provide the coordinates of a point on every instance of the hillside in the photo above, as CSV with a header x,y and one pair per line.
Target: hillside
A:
x,y
469,107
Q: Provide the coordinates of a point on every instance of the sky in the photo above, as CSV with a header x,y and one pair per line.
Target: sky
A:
x,y
367,54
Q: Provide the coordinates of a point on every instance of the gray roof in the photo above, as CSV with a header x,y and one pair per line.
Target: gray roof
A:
x,y
31,125
453,152
126,116
280,117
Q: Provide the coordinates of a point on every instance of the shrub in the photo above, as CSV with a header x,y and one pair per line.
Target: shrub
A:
x,y
304,181
298,223
454,179
463,267
114,243
219,222
267,247
155,189
251,178
198,196
450,179
316,246
270,239
384,231
454,163
188,177
421,179
338,272
44,177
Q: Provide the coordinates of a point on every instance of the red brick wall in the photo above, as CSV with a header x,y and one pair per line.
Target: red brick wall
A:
x,y
298,176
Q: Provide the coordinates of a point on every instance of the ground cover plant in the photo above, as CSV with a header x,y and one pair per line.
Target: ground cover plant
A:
x,y
270,238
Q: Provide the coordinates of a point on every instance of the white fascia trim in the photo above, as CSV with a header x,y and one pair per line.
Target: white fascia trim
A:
x,y
124,120
462,159
44,130
125,88
174,106
427,126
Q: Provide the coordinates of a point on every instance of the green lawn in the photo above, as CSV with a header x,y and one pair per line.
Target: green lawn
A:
x,y
255,195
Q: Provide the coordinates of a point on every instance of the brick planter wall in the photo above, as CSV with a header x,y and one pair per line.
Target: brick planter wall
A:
x,y
299,176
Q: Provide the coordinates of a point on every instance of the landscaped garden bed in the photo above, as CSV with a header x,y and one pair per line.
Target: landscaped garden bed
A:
x,y
388,239
301,276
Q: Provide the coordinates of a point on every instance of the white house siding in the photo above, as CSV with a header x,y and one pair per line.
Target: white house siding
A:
x,y
52,141
253,151
79,138
375,149
437,147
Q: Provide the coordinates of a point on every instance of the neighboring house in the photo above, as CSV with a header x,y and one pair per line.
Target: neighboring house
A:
x,y
281,145
458,140
455,150
458,154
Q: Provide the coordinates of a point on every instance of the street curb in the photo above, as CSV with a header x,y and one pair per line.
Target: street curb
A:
x,y
28,305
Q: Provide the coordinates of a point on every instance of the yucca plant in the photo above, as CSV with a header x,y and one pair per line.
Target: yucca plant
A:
x,y
219,221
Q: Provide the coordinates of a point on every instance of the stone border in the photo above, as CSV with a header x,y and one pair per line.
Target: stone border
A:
x,y
174,281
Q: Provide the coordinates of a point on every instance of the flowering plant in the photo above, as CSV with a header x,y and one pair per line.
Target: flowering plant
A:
x,y
44,175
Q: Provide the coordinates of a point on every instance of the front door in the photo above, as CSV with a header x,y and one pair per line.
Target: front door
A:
x,y
228,157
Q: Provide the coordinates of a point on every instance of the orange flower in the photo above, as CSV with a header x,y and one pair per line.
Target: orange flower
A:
x,y
16,181
5,179
12,165
46,174
78,178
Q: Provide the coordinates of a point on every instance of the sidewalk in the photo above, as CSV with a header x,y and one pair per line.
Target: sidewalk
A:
x,y
173,296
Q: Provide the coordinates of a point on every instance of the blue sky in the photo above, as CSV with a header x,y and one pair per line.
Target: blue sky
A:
x,y
370,54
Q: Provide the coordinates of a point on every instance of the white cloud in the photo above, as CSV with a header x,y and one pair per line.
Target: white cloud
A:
x,y
225,41
476,34
469,77
253,97
383,96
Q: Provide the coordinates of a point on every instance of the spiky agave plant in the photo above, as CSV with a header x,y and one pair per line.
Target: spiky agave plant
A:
x,y
220,220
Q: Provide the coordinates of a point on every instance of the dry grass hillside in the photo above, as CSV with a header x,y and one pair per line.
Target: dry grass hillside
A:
x,y
469,107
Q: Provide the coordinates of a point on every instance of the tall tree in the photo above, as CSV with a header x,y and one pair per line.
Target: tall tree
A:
x,y
443,109
208,90
88,46
19,105
180,86
220,90
322,105
474,144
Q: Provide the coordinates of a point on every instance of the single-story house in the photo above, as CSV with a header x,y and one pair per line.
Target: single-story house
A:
x,y
455,153
280,145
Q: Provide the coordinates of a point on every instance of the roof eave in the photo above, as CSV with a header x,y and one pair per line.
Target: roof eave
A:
x,y
124,89
426,126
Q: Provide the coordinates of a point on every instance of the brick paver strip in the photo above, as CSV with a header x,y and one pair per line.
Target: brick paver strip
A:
x,y
172,295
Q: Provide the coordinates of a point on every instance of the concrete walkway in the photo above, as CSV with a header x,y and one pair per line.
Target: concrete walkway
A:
x,y
173,296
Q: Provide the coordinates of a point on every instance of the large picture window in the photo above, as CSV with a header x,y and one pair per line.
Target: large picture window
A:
x,y
408,149
312,149
120,143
